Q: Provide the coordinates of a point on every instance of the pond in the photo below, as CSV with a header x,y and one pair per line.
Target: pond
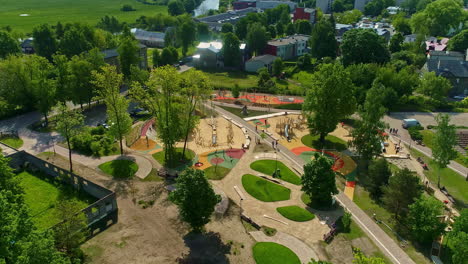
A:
x,y
205,6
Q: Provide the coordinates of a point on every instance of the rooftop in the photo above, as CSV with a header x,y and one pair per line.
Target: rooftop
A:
x,y
266,59
215,46
288,40
230,16
141,34
449,68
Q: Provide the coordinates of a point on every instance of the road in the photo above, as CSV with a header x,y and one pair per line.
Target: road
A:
x,y
395,121
387,245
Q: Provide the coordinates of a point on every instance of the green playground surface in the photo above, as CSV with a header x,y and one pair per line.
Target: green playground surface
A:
x,y
226,158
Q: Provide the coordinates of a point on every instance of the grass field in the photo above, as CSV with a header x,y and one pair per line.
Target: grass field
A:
x,y
12,141
41,197
120,169
179,161
52,11
238,112
272,253
295,213
264,190
428,140
331,142
268,167
220,173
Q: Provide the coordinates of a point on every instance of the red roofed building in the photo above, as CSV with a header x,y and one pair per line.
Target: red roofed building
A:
x,y
308,14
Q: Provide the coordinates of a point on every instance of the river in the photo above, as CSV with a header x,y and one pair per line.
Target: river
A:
x,y
205,6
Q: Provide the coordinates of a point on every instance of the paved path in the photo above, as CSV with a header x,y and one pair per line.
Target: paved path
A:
x,y
304,252
395,120
388,246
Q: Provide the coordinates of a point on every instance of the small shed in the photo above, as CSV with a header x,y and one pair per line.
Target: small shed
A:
x,y
255,63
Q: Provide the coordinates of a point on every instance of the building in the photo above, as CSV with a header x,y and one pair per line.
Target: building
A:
x,y
215,22
360,4
148,38
209,55
433,43
384,33
288,47
308,14
256,63
263,5
243,4
342,28
111,56
451,65
27,46
324,5
410,38
393,10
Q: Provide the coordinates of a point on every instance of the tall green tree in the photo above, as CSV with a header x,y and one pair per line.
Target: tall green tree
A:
x,y
62,78
423,219
445,139
322,41
379,173
318,180
74,42
231,50
45,41
368,134
329,99
195,198
459,42
363,46
226,28
156,58
435,87
257,37
303,27
395,42
458,238
439,17
278,67
290,29
108,83
43,86
80,80
69,124
175,7
187,35
8,45
241,28
402,190
128,55
402,25
203,32
265,83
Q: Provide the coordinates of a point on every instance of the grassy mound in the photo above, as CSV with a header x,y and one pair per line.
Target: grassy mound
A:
x,y
121,169
178,160
272,253
264,190
268,167
214,173
331,142
295,213
12,141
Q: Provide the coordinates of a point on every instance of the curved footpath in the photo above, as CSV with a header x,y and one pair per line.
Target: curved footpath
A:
x,y
388,246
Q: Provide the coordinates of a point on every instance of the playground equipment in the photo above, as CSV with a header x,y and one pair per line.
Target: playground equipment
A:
x,y
214,136
285,127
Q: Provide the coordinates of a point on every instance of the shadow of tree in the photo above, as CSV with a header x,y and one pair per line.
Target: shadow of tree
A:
x,y
205,248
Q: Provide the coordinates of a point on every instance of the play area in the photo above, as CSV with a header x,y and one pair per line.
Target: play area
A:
x,y
259,98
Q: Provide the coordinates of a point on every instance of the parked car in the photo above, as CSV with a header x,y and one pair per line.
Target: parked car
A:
x,y
459,97
138,112
407,123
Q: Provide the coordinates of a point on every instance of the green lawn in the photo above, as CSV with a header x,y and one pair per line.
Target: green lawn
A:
x,y
428,140
295,213
456,185
306,199
52,11
238,111
179,160
268,167
216,173
41,196
265,190
273,253
331,142
120,169
12,141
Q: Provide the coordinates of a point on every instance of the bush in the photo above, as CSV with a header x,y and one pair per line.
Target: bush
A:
x,y
415,133
94,142
127,8
235,91
346,222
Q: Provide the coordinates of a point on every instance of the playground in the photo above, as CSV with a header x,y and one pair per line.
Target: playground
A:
x,y
258,98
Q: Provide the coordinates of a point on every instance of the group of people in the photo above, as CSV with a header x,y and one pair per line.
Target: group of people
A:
x,y
393,130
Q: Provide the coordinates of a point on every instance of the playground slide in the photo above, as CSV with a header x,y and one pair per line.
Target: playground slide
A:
x,y
286,131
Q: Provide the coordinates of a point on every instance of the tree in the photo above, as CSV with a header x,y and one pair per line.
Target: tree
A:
x,y
73,228
395,42
329,99
402,82
423,219
63,91
368,134
360,258
379,174
43,87
322,41
195,198
235,91
402,190
375,7
402,25
75,42
241,28
278,67
203,32
187,35
363,46
279,29
318,180
231,50
257,38
272,30
45,42
109,82
459,42
348,17
156,58
69,123
8,45
458,238
303,27
226,28
435,87
445,139
175,8
265,83
128,54
168,56
439,17
290,30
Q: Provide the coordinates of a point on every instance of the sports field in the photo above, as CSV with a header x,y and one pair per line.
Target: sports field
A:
x,y
52,11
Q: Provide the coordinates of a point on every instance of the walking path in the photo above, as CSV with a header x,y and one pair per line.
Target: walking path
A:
x,y
388,246
304,252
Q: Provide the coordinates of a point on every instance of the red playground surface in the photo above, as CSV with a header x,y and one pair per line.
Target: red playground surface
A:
x,y
262,99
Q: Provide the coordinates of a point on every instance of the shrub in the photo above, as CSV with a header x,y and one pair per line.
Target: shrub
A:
x,y
93,141
127,8
235,91
346,222
415,133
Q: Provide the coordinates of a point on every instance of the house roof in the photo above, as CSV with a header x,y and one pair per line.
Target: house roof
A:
x,y
265,59
288,40
27,43
433,44
448,68
141,34
110,53
215,46
229,17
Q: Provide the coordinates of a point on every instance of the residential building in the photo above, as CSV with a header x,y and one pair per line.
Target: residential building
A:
x,y
263,5
209,55
215,22
451,65
384,33
433,43
256,63
410,38
111,56
288,47
308,14
243,4
324,5
27,46
342,28
148,38
393,10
